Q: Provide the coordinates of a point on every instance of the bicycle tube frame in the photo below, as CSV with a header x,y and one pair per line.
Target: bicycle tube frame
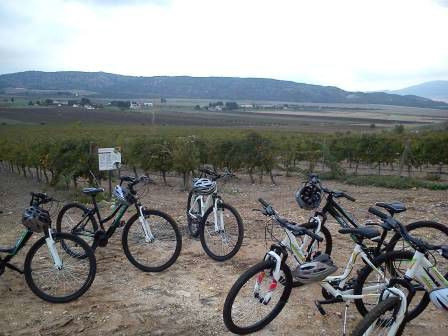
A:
x,y
346,221
21,242
425,273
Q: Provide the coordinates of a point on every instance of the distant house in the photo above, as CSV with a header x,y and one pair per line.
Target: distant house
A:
x,y
246,106
147,104
134,106
215,108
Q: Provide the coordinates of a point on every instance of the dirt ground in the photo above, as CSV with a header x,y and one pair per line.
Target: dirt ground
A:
x,y
187,298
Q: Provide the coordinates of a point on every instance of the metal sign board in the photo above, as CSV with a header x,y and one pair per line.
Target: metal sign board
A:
x,y
109,158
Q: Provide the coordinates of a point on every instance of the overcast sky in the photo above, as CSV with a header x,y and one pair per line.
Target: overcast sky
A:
x,y
352,44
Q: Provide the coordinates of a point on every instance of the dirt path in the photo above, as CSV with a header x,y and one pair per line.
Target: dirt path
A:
x,y
187,299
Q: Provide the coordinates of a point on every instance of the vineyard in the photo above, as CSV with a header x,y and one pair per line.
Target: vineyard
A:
x,y
63,155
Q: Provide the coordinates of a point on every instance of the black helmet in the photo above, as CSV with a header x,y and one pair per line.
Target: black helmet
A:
x,y
309,196
36,219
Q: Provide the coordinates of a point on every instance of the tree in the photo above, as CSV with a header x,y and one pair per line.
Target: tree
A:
x,y
185,156
231,106
85,101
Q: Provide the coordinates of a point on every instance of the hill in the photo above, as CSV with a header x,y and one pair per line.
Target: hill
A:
x,y
226,88
436,90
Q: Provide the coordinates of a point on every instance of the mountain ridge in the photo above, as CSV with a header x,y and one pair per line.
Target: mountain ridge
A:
x,y
435,90
110,85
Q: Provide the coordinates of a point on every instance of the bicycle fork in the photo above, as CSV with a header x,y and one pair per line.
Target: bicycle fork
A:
x,y
218,217
149,237
273,285
53,252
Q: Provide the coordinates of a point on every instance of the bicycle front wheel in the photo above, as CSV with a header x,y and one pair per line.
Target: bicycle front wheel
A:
x,y
221,235
156,253
245,309
68,280
393,265
381,319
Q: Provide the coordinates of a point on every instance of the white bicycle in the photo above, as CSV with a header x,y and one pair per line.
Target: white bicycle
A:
x,y
218,224
261,292
412,272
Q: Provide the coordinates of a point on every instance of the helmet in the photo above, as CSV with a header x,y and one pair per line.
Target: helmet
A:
x,y
318,269
309,196
204,186
36,219
440,298
122,195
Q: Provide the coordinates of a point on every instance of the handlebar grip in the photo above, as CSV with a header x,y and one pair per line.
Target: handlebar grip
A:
x,y
378,213
263,202
349,197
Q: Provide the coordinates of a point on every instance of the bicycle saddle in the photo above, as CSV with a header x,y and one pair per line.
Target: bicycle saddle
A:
x,y
393,207
362,232
92,191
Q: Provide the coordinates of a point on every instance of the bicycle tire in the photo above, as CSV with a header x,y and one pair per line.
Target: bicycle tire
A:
x,y
91,223
88,256
157,233
192,228
387,259
391,303
239,241
414,226
238,285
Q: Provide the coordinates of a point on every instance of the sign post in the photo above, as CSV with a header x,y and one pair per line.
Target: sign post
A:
x,y
109,159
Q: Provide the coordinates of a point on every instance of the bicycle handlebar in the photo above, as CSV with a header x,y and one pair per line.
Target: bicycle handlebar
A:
x,y
214,175
416,243
41,198
314,179
293,227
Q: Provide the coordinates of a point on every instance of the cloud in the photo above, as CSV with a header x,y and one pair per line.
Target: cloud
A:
x,y
368,45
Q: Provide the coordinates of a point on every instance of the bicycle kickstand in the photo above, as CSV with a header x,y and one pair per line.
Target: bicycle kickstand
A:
x,y
344,325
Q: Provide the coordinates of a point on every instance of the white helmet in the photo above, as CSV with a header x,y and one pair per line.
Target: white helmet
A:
x,y
440,298
121,195
204,186
318,269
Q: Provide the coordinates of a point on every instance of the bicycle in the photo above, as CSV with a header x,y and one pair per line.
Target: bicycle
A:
x,y
345,220
417,269
218,224
151,239
51,273
274,270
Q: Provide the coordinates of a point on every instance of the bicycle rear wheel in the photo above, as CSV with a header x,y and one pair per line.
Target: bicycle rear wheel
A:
x,y
67,282
75,219
244,311
380,319
224,243
152,255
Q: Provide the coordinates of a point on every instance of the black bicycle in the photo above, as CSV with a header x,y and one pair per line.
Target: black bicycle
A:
x,y
151,239
419,229
218,224
51,273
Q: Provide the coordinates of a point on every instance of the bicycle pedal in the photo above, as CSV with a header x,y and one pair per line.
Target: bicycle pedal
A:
x,y
320,308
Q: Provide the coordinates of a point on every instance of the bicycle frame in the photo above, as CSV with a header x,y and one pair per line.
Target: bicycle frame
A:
x,y
422,270
21,242
290,243
207,201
